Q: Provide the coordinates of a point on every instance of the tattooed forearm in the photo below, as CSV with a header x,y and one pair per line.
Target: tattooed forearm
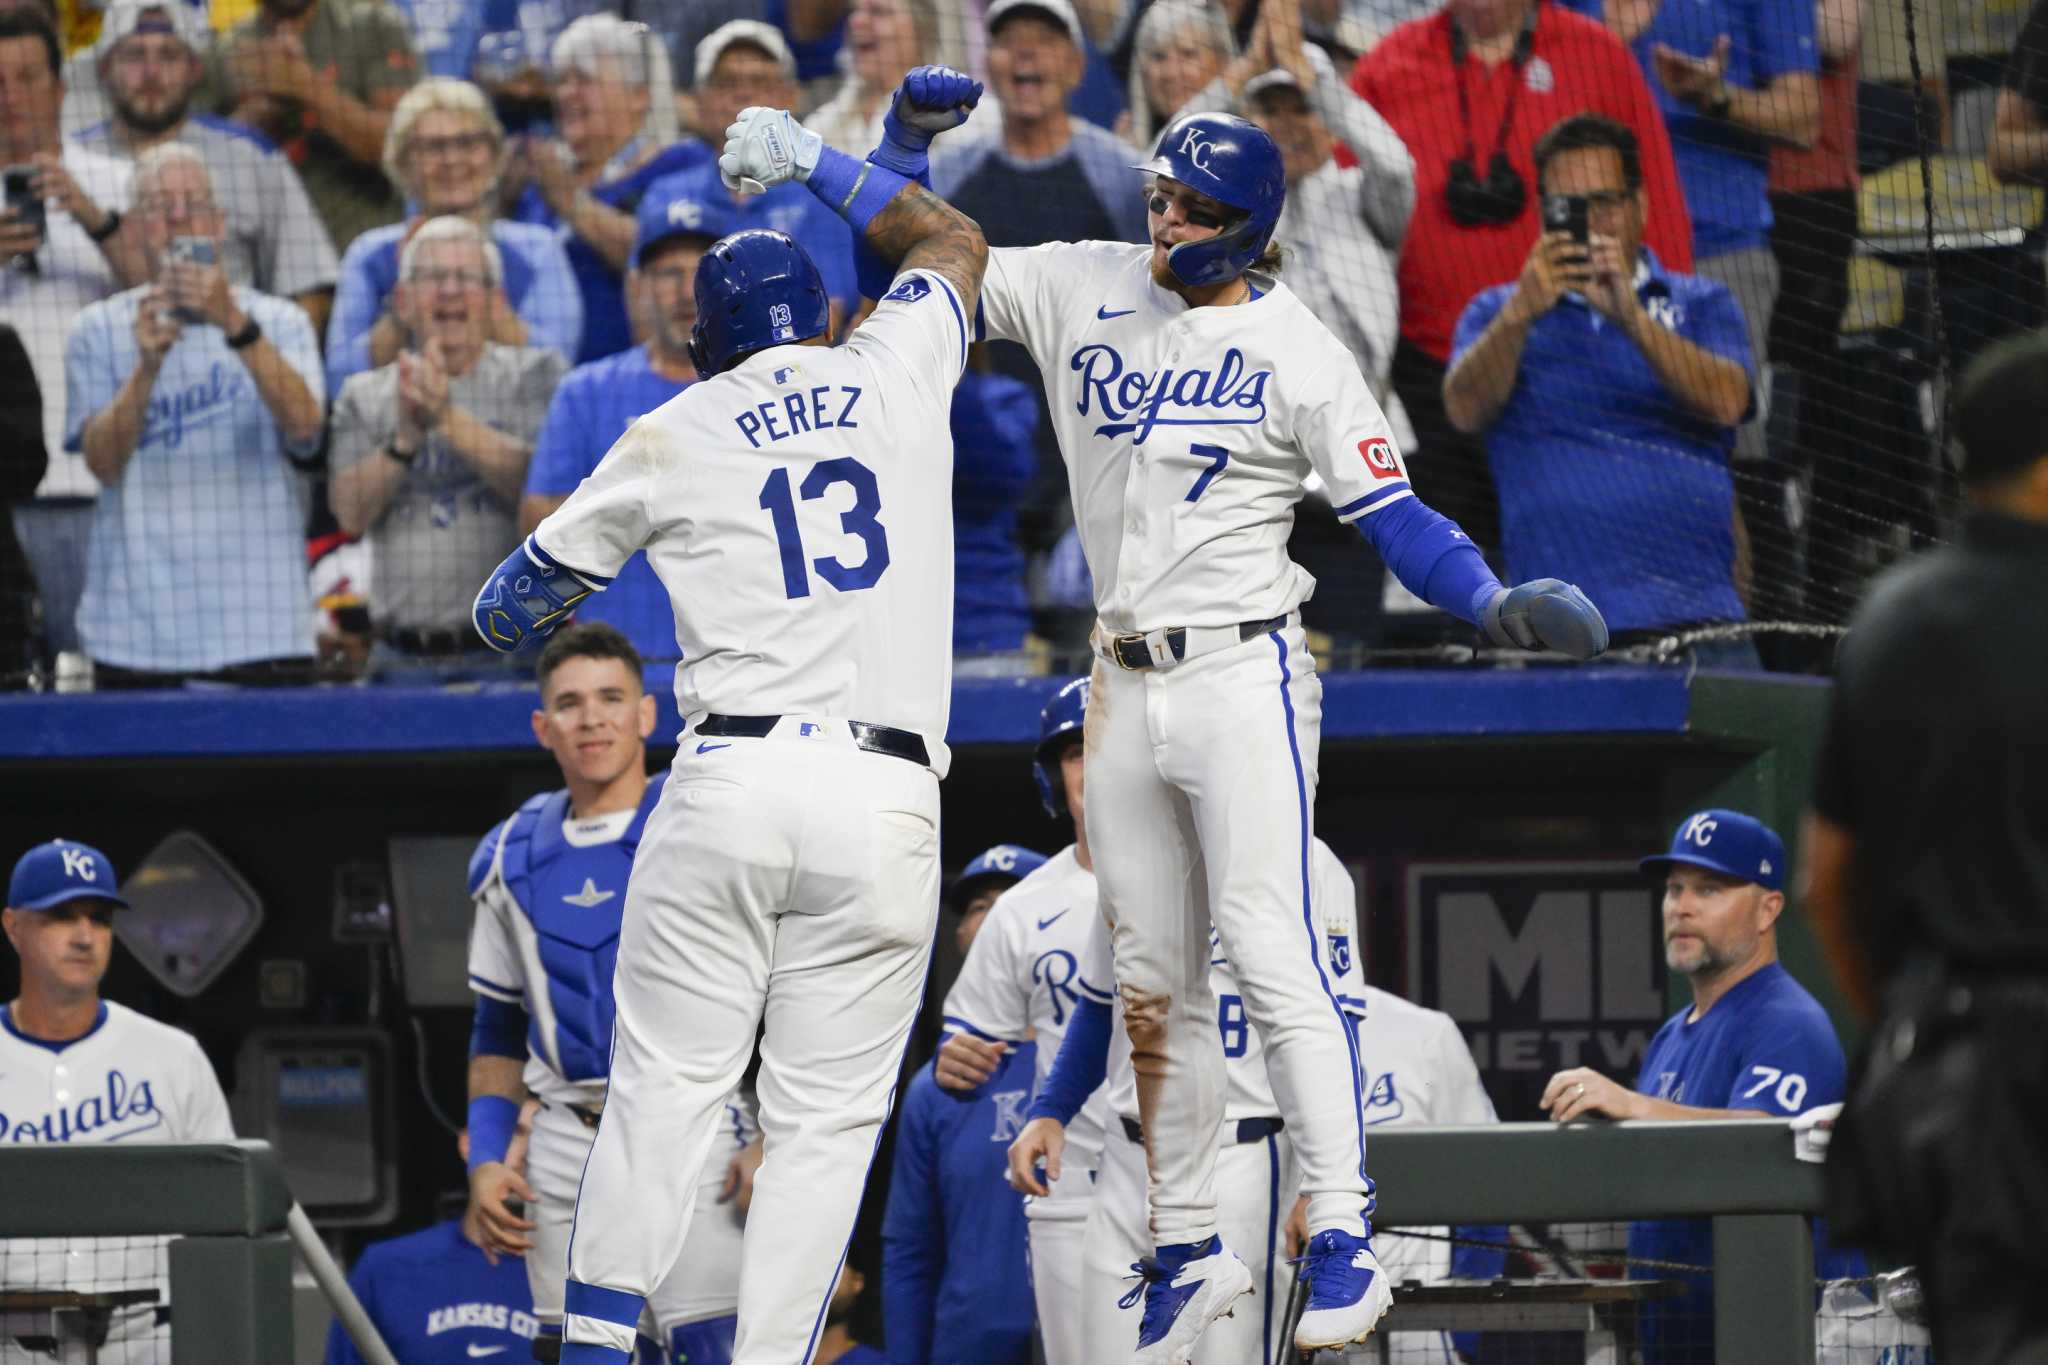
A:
x,y
924,232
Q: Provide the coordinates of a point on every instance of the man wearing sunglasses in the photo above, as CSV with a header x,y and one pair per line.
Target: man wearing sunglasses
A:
x,y
1608,388
1193,393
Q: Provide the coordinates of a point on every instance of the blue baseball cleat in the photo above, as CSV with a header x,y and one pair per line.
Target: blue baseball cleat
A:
x,y
1185,1288
1348,1293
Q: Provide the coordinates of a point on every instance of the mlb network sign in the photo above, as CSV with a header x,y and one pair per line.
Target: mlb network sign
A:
x,y
1544,966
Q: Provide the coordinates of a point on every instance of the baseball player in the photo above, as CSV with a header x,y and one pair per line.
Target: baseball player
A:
x,y
1193,393
76,1068
549,886
955,1270
796,505
1256,1174
436,1297
1023,980
1754,1041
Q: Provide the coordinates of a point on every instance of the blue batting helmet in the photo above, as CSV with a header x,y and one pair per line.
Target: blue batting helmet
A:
x,y
1061,717
1234,162
755,288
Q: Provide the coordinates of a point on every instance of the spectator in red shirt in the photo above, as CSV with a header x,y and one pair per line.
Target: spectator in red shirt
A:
x,y
1476,84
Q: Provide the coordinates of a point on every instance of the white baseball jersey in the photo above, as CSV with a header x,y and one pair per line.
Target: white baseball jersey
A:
x,y
1250,1093
1023,975
1187,432
1418,1073
806,543
131,1079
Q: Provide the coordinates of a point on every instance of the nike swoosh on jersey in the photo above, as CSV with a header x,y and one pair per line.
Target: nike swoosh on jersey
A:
x,y
1048,923
1105,313
707,746
477,1352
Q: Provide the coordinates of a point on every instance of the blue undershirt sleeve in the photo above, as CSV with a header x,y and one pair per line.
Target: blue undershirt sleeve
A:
x,y
1431,556
1079,1069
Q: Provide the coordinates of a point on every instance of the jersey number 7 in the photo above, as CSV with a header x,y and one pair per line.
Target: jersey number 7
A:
x,y
857,520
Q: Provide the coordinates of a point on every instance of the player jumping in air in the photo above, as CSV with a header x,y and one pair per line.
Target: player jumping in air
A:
x,y
796,504
1193,394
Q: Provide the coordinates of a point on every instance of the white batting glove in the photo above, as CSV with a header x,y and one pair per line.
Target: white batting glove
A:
x,y
765,148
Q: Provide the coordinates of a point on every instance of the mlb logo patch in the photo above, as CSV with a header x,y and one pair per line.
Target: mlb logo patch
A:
x,y
1380,458
1340,953
910,291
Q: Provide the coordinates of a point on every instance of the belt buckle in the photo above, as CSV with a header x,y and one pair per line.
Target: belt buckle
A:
x,y
1116,650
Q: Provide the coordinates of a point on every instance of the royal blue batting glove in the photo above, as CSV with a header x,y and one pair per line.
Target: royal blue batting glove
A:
x,y
530,594
1545,613
931,100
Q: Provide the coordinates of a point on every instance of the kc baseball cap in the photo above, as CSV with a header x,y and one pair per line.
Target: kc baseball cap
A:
x,y
62,870
175,17
1728,842
667,212
750,31
1011,862
1059,11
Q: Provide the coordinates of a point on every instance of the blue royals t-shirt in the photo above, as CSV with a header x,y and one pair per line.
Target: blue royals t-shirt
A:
x,y
1725,171
955,1285
1766,1045
1605,480
591,410
437,1301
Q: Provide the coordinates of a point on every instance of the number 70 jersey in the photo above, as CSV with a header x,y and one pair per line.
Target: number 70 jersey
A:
x,y
799,510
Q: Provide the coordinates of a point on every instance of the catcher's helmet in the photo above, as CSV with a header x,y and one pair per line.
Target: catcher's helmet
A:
x,y
1061,717
1233,162
755,288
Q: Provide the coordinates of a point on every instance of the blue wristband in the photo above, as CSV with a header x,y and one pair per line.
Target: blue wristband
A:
x,y
855,190
903,149
492,1118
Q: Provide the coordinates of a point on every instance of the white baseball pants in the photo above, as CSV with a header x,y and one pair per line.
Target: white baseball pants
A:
x,y
704,1281
1201,793
783,885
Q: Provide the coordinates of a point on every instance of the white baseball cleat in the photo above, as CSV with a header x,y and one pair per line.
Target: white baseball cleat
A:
x,y
1185,1288
1348,1293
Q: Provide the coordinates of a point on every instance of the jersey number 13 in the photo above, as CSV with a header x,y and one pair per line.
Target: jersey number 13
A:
x,y
857,520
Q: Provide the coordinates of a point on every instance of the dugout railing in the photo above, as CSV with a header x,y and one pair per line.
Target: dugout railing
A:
x,y
1740,1173
227,1206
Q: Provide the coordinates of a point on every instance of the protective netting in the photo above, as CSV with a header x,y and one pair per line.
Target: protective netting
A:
x,y
62,1297
1720,438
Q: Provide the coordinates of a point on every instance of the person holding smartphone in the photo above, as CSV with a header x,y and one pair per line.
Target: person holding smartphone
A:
x,y
1608,388
195,403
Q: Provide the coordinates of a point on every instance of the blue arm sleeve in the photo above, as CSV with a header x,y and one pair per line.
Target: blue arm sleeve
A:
x,y
1079,1069
874,274
913,1242
492,1120
499,1029
1431,556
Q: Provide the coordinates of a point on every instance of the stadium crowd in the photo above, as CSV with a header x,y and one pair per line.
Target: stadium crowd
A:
x,y
312,307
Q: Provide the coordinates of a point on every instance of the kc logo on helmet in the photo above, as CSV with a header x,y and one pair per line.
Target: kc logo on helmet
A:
x,y
1195,149
77,864
1380,458
1700,830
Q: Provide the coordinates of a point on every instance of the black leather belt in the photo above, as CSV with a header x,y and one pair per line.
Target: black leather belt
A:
x,y
876,739
434,643
1248,1130
586,1114
1130,651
